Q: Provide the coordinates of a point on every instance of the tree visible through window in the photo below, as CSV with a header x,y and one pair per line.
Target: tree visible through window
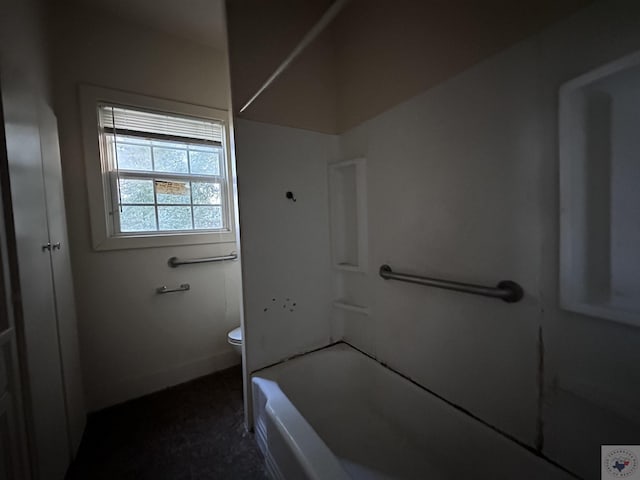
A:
x,y
166,173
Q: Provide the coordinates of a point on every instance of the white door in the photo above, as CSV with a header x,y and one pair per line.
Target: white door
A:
x,y
33,293
62,277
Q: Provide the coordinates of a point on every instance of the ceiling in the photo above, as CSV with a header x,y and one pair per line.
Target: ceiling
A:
x,y
200,21
374,55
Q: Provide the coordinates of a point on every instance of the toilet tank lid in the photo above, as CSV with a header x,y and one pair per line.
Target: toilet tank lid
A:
x,y
236,334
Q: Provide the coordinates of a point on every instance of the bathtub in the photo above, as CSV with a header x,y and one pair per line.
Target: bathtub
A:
x,y
337,414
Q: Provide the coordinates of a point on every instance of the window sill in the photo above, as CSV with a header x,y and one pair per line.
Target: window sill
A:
x,y
160,240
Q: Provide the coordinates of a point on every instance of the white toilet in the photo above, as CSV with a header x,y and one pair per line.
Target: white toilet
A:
x,y
234,337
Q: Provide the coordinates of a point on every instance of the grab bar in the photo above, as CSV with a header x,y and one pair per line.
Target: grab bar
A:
x,y
506,290
182,288
175,262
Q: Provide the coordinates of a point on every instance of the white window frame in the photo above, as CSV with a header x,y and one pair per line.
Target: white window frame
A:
x,y
99,177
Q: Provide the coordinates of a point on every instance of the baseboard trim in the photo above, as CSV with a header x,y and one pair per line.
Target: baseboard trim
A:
x,y
100,396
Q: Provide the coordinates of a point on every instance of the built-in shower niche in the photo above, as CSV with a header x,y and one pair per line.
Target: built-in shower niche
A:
x,y
600,192
348,213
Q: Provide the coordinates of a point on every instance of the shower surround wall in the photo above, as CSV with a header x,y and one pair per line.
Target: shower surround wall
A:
x,y
452,179
471,167
285,243
462,183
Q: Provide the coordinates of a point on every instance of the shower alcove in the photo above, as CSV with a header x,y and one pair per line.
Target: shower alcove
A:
x,y
600,192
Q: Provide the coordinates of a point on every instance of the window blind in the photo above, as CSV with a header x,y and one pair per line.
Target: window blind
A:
x,y
158,125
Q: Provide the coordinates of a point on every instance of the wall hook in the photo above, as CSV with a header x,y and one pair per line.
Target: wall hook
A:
x,y
290,196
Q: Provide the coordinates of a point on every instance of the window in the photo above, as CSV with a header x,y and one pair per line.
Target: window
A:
x,y
166,173
163,172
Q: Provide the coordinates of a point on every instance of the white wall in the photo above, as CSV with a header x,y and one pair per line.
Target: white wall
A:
x,y
132,340
285,244
463,184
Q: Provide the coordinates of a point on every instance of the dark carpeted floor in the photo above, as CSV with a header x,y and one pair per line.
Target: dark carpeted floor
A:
x,y
193,431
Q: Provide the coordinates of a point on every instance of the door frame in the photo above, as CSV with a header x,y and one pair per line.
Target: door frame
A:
x,y
21,453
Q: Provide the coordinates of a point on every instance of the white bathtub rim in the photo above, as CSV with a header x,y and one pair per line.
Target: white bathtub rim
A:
x,y
344,345
315,457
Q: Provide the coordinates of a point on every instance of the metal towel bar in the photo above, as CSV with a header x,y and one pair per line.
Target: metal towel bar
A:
x,y
182,288
175,261
506,290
